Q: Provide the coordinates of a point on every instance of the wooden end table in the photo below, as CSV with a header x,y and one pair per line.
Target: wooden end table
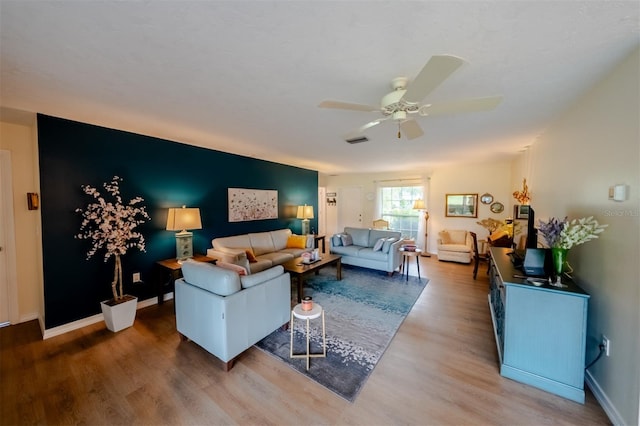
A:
x,y
317,238
298,270
169,270
406,254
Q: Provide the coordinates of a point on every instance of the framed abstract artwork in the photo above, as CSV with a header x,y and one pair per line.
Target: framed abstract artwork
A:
x,y
252,204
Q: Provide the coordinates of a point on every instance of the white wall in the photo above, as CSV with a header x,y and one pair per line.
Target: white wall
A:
x,y
20,140
594,145
493,177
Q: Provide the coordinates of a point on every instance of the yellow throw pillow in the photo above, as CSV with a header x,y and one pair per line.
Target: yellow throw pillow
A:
x,y
297,241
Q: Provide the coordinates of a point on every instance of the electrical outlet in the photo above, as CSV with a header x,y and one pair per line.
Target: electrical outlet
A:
x,y
606,343
136,277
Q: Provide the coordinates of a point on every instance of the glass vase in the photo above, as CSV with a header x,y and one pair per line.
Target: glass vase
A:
x,y
559,257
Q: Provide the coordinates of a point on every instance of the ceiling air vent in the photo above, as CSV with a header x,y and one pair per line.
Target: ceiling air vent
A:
x,y
358,139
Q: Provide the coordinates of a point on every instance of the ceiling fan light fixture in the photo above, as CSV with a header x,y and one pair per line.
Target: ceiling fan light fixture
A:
x,y
400,115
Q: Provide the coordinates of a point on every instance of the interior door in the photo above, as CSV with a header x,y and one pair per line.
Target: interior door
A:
x,y
350,207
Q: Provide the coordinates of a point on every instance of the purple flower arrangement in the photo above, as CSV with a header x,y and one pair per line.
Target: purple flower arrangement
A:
x,y
566,234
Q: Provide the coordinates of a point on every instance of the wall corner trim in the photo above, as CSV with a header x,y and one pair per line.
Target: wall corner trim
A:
x,y
603,399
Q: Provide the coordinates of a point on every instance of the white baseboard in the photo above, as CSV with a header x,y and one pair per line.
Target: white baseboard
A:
x,y
75,325
603,399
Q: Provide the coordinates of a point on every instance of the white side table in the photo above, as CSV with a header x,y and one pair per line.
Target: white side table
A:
x,y
314,313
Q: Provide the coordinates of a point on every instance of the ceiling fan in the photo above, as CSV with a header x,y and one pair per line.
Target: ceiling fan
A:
x,y
405,100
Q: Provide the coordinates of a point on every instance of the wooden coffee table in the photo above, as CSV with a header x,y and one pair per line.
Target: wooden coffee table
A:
x,y
298,270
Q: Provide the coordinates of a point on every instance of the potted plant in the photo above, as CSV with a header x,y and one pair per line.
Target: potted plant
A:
x,y
111,225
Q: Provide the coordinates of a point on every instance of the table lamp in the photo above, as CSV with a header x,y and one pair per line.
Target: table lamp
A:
x,y
182,219
419,205
305,213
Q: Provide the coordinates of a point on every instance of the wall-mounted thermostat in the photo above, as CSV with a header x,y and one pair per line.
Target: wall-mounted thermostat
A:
x,y
618,192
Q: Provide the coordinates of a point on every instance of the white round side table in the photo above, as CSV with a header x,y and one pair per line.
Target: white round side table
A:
x,y
315,312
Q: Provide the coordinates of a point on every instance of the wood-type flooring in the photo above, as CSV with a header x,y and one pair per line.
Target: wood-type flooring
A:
x,y
440,369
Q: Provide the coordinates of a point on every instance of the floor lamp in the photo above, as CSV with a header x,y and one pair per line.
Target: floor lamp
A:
x,y
419,205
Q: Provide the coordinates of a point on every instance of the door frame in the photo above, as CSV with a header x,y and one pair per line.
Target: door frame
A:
x,y
7,223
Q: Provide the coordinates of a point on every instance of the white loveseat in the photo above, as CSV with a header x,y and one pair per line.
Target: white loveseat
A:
x,y
455,245
226,313
262,250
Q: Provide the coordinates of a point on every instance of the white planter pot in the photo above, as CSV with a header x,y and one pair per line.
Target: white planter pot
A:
x,y
120,316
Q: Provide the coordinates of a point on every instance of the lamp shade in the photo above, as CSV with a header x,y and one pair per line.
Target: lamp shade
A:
x,y
305,212
419,205
181,219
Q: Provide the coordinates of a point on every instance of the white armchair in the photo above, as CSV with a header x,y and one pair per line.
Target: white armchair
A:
x,y
455,245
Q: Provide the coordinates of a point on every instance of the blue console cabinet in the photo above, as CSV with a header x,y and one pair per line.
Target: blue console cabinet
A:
x,y
540,331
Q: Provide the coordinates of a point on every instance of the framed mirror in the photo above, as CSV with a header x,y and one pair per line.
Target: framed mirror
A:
x,y
486,198
496,207
461,205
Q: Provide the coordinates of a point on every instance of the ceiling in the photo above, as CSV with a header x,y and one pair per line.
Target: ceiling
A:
x,y
247,76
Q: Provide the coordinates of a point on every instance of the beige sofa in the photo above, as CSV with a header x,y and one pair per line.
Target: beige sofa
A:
x,y
262,250
455,245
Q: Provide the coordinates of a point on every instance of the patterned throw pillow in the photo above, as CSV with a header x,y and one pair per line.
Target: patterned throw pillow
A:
x,y
347,240
378,245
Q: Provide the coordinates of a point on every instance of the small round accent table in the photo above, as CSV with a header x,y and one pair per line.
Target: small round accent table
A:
x,y
315,312
406,254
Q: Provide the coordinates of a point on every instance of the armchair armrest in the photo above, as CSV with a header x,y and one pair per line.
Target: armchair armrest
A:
x,y
230,255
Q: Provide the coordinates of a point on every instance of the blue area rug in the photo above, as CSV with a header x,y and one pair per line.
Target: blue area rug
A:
x,y
363,312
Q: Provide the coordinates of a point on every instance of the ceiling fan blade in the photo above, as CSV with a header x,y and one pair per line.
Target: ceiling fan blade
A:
x,y
437,70
369,125
466,105
348,105
411,129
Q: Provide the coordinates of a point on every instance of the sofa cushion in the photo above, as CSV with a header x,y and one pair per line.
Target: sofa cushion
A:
x,y
378,245
279,238
240,270
261,243
211,278
458,236
336,240
262,276
351,250
360,236
277,257
236,242
347,240
388,243
369,253
297,241
460,248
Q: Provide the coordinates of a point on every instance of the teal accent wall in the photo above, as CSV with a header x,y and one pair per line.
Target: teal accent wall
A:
x,y
166,174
